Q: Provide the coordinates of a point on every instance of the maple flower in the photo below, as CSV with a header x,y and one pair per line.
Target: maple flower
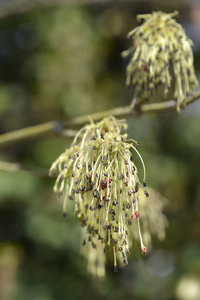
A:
x,y
161,53
98,172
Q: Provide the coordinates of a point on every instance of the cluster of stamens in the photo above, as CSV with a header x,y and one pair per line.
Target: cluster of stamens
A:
x,y
161,53
99,173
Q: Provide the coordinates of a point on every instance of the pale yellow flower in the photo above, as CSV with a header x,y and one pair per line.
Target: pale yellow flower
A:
x,y
98,172
161,53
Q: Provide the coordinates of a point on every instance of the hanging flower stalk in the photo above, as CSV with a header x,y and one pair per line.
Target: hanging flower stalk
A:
x,y
99,173
161,53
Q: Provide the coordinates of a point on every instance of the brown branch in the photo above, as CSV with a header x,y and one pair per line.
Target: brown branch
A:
x,y
57,126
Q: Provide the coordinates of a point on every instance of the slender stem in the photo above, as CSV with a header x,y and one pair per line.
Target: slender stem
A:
x,y
57,126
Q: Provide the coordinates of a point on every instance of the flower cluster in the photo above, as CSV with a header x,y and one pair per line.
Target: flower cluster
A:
x,y
153,223
161,52
99,173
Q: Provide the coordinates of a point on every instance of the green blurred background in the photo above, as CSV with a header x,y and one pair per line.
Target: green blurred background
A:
x,y
59,62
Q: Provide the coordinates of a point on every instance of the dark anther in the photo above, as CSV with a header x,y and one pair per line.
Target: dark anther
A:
x,y
116,229
108,225
73,174
105,174
114,242
100,205
121,176
88,176
102,136
125,262
104,162
84,243
146,193
103,184
105,198
95,148
94,245
115,202
120,248
144,184
64,214
126,182
70,197
91,207
96,194
129,222
115,269
76,181
111,211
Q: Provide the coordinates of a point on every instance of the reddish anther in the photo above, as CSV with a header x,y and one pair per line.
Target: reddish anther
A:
x,y
126,182
144,250
133,217
137,214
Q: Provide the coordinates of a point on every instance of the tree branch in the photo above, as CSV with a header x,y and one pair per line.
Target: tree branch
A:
x,y
16,167
14,7
35,131
58,126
